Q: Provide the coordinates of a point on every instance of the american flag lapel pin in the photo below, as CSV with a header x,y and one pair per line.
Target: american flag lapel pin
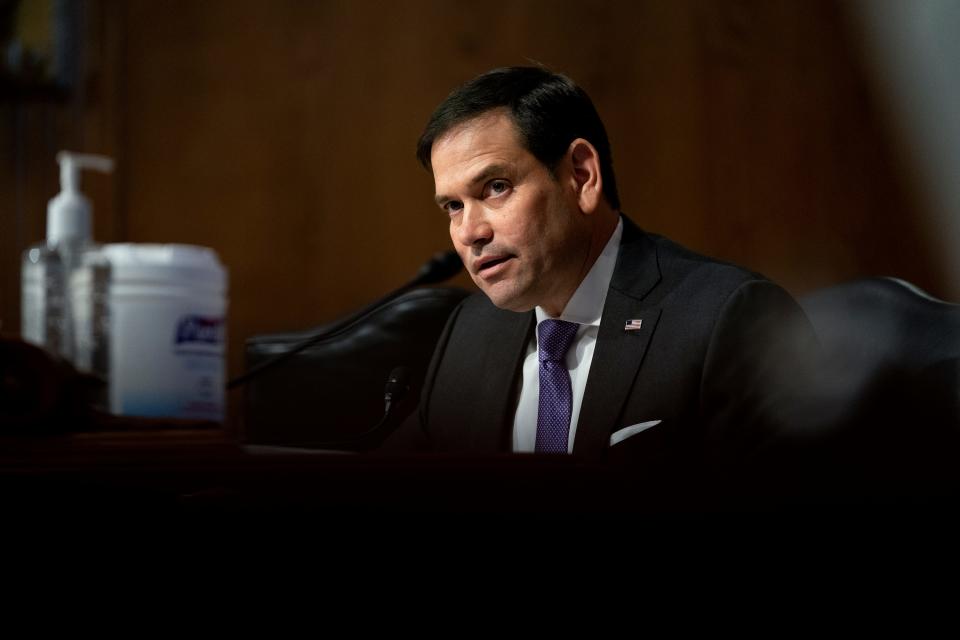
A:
x,y
633,325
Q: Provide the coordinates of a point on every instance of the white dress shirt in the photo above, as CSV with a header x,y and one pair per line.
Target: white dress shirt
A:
x,y
585,308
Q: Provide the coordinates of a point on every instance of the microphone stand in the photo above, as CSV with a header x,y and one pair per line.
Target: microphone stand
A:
x,y
398,384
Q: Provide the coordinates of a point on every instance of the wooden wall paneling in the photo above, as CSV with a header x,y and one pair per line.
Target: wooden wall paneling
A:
x,y
103,114
282,135
799,172
9,224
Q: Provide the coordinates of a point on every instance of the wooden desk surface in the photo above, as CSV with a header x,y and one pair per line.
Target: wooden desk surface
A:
x,y
190,475
182,471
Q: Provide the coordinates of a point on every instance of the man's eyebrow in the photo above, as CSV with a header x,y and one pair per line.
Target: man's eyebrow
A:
x,y
483,175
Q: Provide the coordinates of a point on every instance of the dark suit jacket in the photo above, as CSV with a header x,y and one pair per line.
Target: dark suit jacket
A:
x,y
714,359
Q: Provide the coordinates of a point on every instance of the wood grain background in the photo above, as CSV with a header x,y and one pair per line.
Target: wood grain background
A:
x,y
282,135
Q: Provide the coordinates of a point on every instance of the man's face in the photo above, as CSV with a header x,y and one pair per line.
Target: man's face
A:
x,y
517,227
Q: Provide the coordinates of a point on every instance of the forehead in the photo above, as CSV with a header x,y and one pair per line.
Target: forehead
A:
x,y
490,136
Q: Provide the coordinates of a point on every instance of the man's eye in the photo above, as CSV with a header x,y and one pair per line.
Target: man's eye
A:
x,y
497,187
453,206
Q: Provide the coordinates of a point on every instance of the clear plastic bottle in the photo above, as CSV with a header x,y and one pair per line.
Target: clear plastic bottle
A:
x,y
90,313
44,305
47,268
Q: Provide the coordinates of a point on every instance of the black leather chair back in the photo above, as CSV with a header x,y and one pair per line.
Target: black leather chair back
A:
x,y
878,323
887,394
888,344
334,390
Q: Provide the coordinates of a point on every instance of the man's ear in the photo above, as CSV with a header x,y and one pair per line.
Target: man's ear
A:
x,y
585,175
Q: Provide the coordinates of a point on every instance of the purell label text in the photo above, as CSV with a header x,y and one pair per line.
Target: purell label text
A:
x,y
199,330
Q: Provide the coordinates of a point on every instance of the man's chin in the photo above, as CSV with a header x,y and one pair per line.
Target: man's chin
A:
x,y
507,302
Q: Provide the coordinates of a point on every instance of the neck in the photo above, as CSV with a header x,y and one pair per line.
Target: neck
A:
x,y
604,227
604,224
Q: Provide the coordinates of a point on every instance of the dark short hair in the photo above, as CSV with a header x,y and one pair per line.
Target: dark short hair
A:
x,y
548,110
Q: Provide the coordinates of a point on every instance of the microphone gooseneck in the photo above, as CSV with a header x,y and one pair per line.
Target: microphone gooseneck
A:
x,y
442,266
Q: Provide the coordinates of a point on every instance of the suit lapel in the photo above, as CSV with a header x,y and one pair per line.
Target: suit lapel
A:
x,y
619,352
497,392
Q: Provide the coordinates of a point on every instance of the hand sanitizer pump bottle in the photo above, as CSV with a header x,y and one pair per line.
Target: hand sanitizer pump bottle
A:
x,y
46,317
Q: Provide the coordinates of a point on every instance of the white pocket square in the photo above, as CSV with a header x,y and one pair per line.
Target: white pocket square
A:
x,y
622,434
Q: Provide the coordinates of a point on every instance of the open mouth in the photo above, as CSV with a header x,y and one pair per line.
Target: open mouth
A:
x,y
492,263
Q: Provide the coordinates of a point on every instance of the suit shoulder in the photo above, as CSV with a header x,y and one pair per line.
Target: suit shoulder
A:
x,y
679,260
688,273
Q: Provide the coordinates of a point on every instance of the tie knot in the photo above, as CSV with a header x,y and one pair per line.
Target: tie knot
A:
x,y
554,338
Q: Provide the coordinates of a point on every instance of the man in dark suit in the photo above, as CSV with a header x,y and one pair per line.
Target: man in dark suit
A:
x,y
590,336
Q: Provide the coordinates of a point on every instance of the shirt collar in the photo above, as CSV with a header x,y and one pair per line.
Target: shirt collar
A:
x,y
586,305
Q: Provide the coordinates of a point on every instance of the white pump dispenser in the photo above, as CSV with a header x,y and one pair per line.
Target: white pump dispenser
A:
x,y
69,217
47,268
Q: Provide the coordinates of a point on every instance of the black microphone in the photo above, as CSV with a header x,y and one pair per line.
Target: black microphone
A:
x,y
440,267
398,384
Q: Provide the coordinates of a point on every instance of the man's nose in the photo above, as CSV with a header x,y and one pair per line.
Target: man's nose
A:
x,y
474,228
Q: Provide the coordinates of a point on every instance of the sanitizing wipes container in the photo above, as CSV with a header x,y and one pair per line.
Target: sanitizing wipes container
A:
x,y
167,327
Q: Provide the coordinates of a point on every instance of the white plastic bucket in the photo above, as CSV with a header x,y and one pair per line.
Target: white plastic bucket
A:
x,y
167,316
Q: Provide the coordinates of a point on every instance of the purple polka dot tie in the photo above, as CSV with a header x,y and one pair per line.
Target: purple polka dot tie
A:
x,y
554,338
